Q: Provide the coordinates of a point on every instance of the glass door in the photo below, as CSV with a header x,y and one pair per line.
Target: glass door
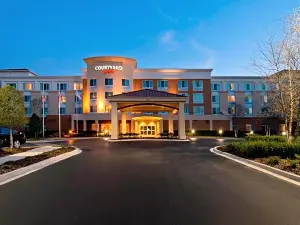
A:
x,y
147,130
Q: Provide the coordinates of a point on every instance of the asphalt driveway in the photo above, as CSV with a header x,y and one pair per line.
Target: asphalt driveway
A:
x,y
155,183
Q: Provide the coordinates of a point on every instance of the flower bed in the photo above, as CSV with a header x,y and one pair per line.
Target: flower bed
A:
x,y
13,165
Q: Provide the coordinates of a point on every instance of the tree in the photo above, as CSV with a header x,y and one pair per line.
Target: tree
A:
x,y
35,124
239,112
12,111
279,62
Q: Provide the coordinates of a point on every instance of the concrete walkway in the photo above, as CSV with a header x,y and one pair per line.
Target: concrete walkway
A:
x,y
22,155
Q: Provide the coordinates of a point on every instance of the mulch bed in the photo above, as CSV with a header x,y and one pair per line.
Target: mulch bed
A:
x,y
10,166
7,151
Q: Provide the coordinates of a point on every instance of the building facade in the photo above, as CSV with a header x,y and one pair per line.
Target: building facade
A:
x,y
211,103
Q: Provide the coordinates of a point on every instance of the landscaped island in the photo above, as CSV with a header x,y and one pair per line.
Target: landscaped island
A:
x,y
274,151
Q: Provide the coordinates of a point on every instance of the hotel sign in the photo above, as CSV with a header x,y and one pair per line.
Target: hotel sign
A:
x,y
109,68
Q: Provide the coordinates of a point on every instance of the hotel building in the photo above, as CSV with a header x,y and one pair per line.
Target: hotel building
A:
x,y
114,95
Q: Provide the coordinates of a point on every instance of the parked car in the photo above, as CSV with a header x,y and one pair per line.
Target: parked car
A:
x,y
19,138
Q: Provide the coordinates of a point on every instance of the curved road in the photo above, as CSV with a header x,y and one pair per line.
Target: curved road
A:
x,y
155,183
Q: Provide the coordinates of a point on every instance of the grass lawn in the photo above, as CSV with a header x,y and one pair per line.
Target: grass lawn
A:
x,y
13,165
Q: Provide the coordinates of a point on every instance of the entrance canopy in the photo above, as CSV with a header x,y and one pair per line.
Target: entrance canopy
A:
x,y
147,100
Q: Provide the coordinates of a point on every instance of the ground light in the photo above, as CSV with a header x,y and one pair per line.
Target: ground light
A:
x,y
251,132
283,133
220,132
193,132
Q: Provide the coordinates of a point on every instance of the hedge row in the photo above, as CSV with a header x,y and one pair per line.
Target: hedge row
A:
x,y
261,148
276,138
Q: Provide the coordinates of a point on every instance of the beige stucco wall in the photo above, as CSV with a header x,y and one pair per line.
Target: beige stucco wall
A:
x,y
223,102
256,98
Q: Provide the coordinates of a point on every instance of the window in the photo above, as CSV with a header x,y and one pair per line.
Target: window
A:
x,y
44,86
107,108
125,83
261,87
162,84
45,111
198,110
109,82
183,84
198,97
27,86
147,84
231,110
78,110
107,94
248,87
27,98
248,97
186,109
249,127
62,86
231,86
93,82
264,97
28,111
187,96
248,110
93,96
77,86
14,85
77,99
63,99
93,108
62,111
231,97
215,110
216,86
215,99
197,85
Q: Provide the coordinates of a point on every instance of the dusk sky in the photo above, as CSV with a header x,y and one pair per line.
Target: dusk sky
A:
x,y
52,37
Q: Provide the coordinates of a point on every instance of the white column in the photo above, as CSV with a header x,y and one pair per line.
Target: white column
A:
x,y
136,127
123,117
72,125
181,121
157,128
170,120
84,125
161,125
230,125
97,125
210,125
132,126
114,120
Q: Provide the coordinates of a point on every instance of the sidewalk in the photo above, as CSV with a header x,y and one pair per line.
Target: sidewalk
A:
x,y
49,140
22,155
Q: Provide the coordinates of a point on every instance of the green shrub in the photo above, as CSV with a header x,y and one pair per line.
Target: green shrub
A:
x,y
262,149
276,138
273,160
294,163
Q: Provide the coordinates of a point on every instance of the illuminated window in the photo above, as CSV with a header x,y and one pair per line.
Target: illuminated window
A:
x,y
77,86
27,86
93,96
231,97
107,108
93,108
197,85
264,97
63,99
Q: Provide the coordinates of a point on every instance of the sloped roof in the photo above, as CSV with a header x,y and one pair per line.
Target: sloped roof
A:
x,y
147,93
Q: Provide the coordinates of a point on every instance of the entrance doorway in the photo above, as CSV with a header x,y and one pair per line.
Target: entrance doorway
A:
x,y
148,131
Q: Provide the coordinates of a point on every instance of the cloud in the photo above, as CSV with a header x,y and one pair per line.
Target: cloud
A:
x,y
167,16
168,40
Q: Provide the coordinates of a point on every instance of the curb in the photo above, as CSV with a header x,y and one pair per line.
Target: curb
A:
x,y
280,174
16,174
132,140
